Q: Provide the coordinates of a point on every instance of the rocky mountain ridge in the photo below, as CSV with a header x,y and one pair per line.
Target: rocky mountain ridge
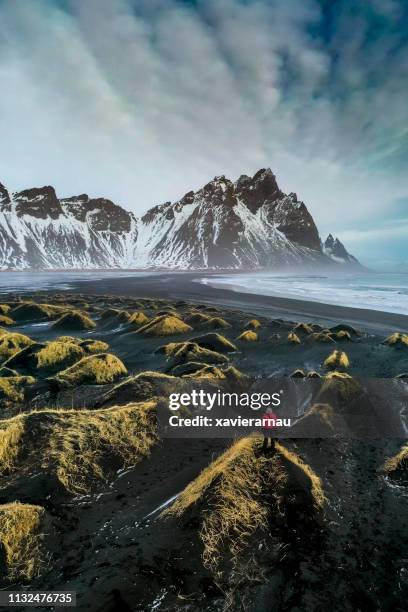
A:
x,y
246,224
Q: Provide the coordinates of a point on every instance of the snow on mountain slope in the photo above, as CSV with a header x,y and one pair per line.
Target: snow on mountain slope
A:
x,y
246,224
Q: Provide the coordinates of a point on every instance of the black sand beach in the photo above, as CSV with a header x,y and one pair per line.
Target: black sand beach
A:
x,y
184,286
246,528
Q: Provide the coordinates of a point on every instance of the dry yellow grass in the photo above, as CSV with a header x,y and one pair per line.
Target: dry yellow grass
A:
x,y
4,309
299,373
190,351
138,319
207,371
293,338
164,326
197,317
5,320
12,388
80,448
240,491
336,360
74,320
324,412
316,487
397,463
248,336
68,339
12,343
21,537
253,324
343,335
94,346
322,336
305,328
216,323
313,374
29,311
339,385
215,342
397,339
96,369
236,376
58,354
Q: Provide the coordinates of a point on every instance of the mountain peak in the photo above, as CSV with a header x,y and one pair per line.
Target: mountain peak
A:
x,y
39,202
262,188
336,250
248,224
5,204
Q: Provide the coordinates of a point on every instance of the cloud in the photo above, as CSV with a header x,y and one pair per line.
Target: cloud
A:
x,y
143,100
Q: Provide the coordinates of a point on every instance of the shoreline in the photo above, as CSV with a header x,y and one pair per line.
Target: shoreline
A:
x,y
184,287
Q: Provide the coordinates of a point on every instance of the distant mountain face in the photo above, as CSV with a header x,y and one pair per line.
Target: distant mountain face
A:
x,y
247,224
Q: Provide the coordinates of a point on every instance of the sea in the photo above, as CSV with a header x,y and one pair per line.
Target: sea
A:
x,y
385,291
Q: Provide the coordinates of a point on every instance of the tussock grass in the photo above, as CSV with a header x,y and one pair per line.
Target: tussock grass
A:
x,y
142,387
59,355
221,466
74,320
216,323
79,448
4,309
397,339
182,352
208,371
324,413
343,335
303,328
316,486
29,311
336,360
21,537
253,324
347,328
197,317
164,326
341,385
95,369
248,336
293,338
215,342
12,388
239,493
138,319
12,343
5,320
235,376
109,313
71,339
94,346
322,337
398,464
299,373
313,374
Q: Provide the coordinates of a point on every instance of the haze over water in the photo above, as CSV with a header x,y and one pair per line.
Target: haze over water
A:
x,y
387,292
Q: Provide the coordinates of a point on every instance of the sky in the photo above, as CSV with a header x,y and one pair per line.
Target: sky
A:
x,y
141,101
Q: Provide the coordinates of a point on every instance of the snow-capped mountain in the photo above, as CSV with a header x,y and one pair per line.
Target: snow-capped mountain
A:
x,y
247,224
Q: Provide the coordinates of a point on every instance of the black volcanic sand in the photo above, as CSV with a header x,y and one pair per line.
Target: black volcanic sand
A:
x,y
113,547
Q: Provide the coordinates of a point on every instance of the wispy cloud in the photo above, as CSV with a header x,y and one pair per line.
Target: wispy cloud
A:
x,y
142,100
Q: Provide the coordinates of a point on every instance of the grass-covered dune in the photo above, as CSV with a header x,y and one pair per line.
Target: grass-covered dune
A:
x,y
75,450
25,530
239,498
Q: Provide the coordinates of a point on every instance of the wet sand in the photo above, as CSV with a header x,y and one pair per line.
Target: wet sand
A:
x,y
185,286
